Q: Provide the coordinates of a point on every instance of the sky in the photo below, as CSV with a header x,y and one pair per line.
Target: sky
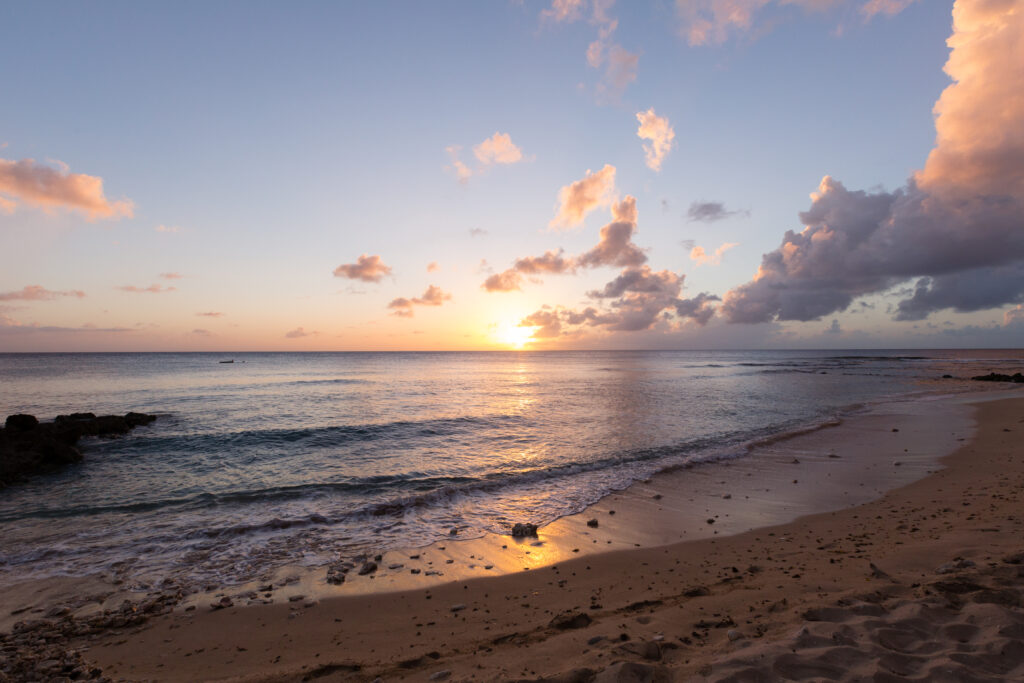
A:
x,y
575,174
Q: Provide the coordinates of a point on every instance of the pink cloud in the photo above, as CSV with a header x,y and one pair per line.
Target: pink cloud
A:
x,y
583,196
433,267
366,268
702,258
434,296
659,131
38,293
498,149
56,188
211,314
171,276
299,332
152,289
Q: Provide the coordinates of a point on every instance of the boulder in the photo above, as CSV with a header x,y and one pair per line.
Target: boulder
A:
x,y
522,530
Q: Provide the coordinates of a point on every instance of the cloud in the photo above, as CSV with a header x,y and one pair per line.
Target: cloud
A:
x,y
637,299
834,328
10,326
433,267
152,289
713,22
616,246
477,232
299,332
497,149
57,188
201,332
702,258
710,212
211,314
167,228
563,10
658,130
38,293
583,196
171,276
620,71
888,7
366,268
434,296
1014,315
958,224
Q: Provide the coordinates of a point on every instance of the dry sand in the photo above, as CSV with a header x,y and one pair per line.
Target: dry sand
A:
x,y
921,583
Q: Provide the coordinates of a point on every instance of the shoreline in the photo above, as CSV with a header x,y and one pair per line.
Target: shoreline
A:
x,y
491,619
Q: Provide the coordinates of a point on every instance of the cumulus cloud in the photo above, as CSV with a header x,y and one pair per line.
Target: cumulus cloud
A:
x,y
583,196
658,130
299,332
38,293
1014,315
51,188
434,296
497,149
834,328
616,247
702,258
637,299
366,268
433,267
152,289
958,224
710,212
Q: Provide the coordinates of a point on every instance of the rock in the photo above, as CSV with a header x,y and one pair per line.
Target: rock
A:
x,y
458,608
733,635
710,520
633,672
593,523
395,566
28,447
368,568
440,675
1016,378
296,598
947,377
951,567
21,423
222,603
570,620
522,530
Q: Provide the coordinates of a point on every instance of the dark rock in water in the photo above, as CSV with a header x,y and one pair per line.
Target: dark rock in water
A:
x,y
947,377
522,530
1016,378
28,447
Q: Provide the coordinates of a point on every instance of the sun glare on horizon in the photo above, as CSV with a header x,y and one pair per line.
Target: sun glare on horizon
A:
x,y
513,335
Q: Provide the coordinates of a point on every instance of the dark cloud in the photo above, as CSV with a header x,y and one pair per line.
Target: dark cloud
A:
x,y
958,224
709,212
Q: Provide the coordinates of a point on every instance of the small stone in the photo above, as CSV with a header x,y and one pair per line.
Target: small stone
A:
x,y
395,566
440,675
733,634
296,598
458,608
593,523
368,568
710,521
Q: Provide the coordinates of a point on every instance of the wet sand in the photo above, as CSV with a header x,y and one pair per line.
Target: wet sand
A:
x,y
734,578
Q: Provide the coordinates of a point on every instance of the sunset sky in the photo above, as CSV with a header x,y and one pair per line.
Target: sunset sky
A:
x,y
486,175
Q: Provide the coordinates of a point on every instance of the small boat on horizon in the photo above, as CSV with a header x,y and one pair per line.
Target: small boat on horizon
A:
x,y
227,361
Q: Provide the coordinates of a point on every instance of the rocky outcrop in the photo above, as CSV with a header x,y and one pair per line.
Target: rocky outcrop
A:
x,y
1016,378
28,447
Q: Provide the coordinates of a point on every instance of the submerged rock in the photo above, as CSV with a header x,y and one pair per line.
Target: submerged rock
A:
x,y
1016,378
28,447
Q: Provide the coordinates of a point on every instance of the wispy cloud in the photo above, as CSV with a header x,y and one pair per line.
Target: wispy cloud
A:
x,y
703,258
152,289
433,267
583,196
211,314
50,188
888,7
710,212
477,232
366,268
171,276
39,293
167,228
300,332
659,131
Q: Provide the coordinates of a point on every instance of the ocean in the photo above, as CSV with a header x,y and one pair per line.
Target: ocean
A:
x,y
301,458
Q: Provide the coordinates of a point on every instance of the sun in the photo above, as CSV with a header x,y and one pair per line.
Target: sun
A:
x,y
510,334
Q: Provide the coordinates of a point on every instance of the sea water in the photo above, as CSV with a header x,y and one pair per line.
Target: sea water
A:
x,y
301,458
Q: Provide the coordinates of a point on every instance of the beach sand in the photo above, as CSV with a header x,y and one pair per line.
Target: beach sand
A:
x,y
716,573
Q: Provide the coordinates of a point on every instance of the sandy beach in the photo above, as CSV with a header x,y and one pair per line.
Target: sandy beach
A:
x,y
716,573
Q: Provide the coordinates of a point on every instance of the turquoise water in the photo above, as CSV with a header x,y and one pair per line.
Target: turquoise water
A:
x,y
299,458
